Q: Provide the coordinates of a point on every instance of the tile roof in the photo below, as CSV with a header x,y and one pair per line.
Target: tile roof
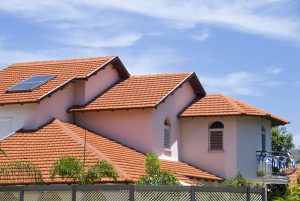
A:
x,y
222,105
64,70
145,91
57,139
293,177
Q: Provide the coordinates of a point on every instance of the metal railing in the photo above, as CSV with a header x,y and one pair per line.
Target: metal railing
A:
x,y
275,164
128,193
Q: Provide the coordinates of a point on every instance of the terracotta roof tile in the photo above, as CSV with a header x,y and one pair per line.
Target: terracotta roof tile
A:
x,y
58,139
64,70
136,92
222,105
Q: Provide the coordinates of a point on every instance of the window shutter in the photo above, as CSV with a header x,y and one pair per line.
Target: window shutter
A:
x,y
216,140
5,126
167,137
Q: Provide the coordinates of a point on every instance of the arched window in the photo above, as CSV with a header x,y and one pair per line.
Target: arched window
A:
x,y
167,131
263,138
216,136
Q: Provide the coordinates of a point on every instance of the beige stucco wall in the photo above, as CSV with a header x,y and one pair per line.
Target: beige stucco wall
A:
x,y
98,83
249,141
169,110
195,145
142,129
133,128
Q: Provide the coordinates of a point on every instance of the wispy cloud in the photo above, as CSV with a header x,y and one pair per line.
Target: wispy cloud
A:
x,y
150,61
203,35
274,70
265,17
93,40
238,83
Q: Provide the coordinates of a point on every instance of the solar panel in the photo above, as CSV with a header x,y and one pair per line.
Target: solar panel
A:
x,y
31,83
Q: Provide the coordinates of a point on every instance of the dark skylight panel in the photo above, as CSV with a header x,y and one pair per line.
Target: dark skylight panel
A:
x,y
31,83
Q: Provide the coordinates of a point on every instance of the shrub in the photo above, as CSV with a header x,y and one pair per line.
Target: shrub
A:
x,y
155,175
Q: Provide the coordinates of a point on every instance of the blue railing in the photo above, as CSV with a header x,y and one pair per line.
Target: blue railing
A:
x,y
274,164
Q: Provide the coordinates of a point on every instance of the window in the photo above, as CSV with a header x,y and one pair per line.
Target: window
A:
x,y
216,136
167,130
30,83
263,138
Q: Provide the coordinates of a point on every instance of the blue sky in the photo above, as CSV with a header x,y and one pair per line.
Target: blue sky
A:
x,y
247,49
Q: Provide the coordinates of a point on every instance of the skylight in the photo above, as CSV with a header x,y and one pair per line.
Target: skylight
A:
x,y
31,83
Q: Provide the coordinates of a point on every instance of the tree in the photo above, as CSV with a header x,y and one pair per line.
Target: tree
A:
x,y
155,175
71,168
282,140
292,194
21,170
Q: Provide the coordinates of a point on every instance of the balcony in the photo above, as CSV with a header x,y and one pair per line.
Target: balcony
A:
x,y
275,165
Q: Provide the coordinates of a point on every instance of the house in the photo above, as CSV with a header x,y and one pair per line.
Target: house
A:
x,y
48,108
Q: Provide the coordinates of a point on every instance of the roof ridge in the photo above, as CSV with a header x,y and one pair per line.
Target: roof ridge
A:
x,y
79,140
157,74
172,91
69,60
236,106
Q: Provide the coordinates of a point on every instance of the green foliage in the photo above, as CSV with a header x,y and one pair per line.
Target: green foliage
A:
x,y
292,194
282,140
238,181
275,191
69,167
155,175
99,170
260,173
21,170
298,179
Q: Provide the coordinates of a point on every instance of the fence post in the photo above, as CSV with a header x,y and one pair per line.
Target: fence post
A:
x,y
73,192
248,193
131,192
263,194
22,194
193,193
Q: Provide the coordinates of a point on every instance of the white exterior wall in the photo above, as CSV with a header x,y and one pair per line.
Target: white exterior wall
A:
x,y
249,141
195,145
100,82
32,116
55,107
133,127
173,105
142,129
21,115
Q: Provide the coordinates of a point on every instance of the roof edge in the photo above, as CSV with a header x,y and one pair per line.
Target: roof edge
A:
x,y
117,64
194,81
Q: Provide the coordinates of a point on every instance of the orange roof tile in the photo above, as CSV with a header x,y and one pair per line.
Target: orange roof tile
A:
x,y
64,70
58,139
222,105
145,91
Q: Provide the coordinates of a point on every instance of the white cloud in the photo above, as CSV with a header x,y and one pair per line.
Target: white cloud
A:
x,y
158,60
274,70
265,17
94,40
202,36
238,83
